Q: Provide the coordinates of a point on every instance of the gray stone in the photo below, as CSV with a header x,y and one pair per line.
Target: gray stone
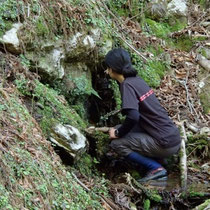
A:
x,y
204,89
51,64
178,8
106,46
10,39
80,46
205,131
57,60
206,168
69,138
158,9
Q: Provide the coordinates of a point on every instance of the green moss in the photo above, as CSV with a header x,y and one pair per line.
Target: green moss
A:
x,y
177,24
119,7
125,9
155,50
116,92
102,142
152,72
77,96
53,109
196,194
8,13
202,3
198,145
147,204
204,205
203,52
41,27
184,43
86,165
160,29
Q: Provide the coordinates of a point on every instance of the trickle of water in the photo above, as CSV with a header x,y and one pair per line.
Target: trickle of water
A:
x,y
173,182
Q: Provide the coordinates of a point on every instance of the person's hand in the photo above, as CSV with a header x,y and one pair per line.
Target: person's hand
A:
x,y
112,133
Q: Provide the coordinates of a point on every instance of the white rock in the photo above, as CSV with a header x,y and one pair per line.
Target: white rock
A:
x,y
201,84
178,7
96,33
206,167
88,41
10,39
51,65
69,138
74,40
205,130
57,56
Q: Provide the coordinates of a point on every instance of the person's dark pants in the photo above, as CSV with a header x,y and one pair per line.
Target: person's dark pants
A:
x,y
142,143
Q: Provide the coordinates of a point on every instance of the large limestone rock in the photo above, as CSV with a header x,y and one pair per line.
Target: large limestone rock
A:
x,y
51,64
82,44
178,8
69,138
10,39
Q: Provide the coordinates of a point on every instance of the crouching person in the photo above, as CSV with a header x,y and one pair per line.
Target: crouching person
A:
x,y
147,134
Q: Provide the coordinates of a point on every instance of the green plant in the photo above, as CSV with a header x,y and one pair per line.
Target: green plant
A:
x,y
24,61
9,11
31,173
41,27
198,146
119,7
160,29
22,86
147,204
116,92
83,86
152,72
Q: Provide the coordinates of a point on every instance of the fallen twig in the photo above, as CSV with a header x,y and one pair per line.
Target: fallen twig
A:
x,y
150,194
93,129
191,107
88,190
177,33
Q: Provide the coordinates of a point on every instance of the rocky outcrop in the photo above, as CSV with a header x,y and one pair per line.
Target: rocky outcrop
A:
x,y
53,57
10,39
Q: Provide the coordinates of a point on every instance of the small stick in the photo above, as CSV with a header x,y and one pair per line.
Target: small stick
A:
x,y
88,190
93,129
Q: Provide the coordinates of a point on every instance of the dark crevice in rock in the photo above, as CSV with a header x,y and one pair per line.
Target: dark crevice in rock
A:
x,y
64,155
98,107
